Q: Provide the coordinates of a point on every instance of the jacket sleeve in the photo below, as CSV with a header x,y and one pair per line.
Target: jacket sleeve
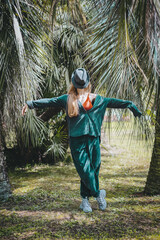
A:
x,y
58,102
118,103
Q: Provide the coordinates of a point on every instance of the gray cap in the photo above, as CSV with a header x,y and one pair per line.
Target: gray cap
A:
x,y
80,78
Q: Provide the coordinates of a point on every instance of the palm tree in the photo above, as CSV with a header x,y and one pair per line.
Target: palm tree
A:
x,y
123,50
153,179
21,66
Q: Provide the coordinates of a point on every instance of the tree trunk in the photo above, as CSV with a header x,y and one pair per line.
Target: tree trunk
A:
x,y
5,191
153,180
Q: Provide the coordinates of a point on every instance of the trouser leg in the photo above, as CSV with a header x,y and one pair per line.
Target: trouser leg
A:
x,y
86,156
93,149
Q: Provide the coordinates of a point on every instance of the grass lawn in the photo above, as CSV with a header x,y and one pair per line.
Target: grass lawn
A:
x,y
45,201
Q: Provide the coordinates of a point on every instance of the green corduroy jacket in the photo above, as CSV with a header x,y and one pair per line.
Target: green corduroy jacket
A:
x,y
87,122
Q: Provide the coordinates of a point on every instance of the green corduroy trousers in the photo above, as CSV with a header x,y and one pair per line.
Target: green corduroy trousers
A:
x,y
86,155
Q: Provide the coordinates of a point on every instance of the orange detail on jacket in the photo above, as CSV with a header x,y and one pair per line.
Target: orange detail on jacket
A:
x,y
87,104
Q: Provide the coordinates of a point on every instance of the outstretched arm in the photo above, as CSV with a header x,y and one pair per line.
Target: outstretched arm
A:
x,y
48,102
57,102
118,103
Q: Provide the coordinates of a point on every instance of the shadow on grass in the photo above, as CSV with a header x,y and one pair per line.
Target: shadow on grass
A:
x,y
36,173
77,225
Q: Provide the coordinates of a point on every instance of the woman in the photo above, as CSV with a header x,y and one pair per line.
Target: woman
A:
x,y
85,112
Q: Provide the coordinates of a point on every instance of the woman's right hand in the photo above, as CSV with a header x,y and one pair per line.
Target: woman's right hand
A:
x,y
24,109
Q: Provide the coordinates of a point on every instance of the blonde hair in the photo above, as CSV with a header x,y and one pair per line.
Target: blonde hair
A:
x,y
73,109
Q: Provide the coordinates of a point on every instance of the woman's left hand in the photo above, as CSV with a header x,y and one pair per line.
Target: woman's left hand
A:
x,y
24,109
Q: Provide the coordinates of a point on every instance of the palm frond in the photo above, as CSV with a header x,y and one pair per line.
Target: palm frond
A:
x,y
58,144
31,131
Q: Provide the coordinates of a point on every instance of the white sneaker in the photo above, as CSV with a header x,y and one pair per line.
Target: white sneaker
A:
x,y
101,200
85,205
